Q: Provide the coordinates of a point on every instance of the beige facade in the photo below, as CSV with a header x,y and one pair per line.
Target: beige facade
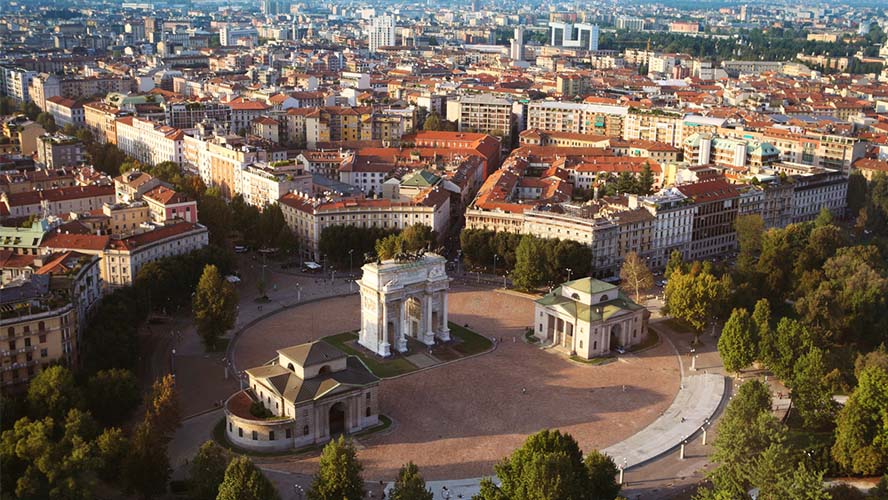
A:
x,y
315,393
589,318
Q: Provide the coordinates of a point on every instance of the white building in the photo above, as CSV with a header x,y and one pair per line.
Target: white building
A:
x,y
580,36
381,32
148,141
229,35
516,45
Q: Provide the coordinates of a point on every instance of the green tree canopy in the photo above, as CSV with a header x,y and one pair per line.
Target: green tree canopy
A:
x,y
215,306
550,465
861,444
244,481
207,471
736,345
112,395
410,485
530,262
53,392
810,393
339,473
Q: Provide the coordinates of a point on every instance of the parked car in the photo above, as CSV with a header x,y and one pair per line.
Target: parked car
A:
x,y
241,249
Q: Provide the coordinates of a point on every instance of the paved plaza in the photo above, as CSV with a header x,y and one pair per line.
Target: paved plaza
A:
x,y
457,420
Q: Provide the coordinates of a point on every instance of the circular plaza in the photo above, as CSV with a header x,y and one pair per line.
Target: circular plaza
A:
x,y
458,419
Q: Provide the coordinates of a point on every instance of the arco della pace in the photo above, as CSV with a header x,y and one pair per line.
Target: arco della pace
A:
x,y
403,298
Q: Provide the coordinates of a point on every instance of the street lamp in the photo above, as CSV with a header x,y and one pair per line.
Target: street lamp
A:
x,y
351,252
569,270
495,256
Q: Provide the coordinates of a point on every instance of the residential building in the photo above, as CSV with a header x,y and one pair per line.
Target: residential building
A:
x,y
123,258
381,33
149,142
714,230
481,113
59,150
101,120
582,36
579,118
45,86
59,201
65,111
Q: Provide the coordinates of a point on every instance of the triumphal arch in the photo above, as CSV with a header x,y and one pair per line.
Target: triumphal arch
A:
x,y
403,297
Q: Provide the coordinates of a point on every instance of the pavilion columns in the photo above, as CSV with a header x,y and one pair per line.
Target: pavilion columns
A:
x,y
428,337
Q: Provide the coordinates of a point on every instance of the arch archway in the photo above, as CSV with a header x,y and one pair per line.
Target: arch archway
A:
x,y
616,336
337,419
324,370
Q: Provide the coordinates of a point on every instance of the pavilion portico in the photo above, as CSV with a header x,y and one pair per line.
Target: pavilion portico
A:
x,y
403,299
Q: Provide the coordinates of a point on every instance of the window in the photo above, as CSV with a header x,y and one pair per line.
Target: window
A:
x,y
595,345
255,436
240,432
581,344
271,435
41,327
289,433
44,353
229,426
369,411
305,431
10,331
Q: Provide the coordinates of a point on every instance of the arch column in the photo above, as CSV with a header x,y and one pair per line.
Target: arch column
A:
x,y
444,332
401,344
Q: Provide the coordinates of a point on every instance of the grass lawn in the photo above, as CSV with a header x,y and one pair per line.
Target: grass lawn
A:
x,y
380,368
651,340
471,342
594,361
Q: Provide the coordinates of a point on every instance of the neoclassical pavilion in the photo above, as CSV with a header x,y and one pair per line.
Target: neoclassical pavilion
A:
x,y
588,318
403,298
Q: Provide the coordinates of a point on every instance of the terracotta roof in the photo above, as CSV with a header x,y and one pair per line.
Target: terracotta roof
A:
x,y
143,239
58,194
165,195
65,241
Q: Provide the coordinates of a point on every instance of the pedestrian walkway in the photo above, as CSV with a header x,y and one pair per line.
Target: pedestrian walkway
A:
x,y
693,406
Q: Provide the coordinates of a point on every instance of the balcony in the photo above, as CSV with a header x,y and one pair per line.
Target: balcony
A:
x,y
16,366
21,350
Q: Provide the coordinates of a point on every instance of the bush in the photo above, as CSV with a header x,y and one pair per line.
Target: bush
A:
x,y
258,410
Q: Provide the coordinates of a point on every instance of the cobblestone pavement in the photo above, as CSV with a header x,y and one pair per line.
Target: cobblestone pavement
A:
x,y
458,420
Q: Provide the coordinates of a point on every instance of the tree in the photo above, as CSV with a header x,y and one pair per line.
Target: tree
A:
x,y
339,473
550,465
764,332
410,485
146,469
418,236
112,395
112,447
810,393
207,471
775,476
244,481
50,459
163,406
694,297
791,340
635,276
736,345
745,432
675,263
861,444
530,262
824,218
432,122
856,199
602,475
646,180
214,305
53,392
389,247
750,230
47,121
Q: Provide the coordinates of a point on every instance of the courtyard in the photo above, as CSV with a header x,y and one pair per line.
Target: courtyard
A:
x,y
458,419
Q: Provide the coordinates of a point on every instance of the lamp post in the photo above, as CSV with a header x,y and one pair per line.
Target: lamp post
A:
x,y
569,270
351,253
458,260
495,256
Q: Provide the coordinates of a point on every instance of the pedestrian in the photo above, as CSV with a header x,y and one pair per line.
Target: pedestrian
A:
x,y
624,387
524,390
682,419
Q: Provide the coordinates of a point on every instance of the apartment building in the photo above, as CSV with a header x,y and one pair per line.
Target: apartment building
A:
x,y
263,184
815,191
714,230
148,141
101,120
831,151
65,111
15,82
59,201
577,118
45,86
481,113
59,150
308,217
704,149
123,258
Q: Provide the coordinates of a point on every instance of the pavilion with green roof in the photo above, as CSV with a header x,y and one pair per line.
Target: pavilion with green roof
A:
x,y
588,318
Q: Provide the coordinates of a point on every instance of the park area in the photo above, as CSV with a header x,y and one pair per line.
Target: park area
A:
x,y
459,418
